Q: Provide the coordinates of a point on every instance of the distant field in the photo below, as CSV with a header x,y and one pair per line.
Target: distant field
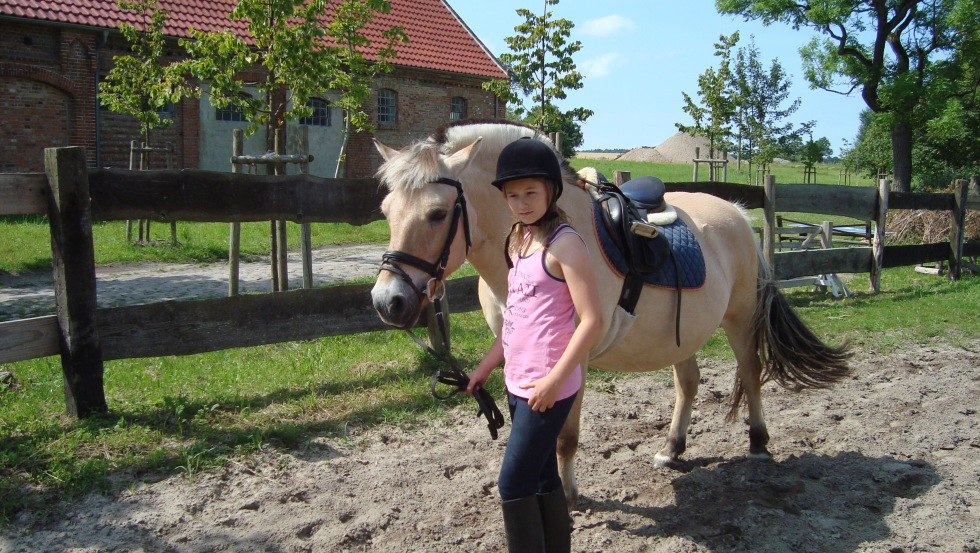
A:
x,y
597,155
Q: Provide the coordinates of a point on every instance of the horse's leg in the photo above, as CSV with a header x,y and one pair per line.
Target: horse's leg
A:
x,y
686,378
568,446
742,338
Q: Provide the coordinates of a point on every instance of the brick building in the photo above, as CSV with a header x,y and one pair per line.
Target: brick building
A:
x,y
53,53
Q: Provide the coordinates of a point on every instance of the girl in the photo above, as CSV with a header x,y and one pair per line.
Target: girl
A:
x,y
550,282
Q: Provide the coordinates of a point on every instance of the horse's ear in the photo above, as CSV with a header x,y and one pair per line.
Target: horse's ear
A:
x,y
385,151
464,156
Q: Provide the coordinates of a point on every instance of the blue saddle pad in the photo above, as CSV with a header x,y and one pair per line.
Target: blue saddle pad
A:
x,y
687,252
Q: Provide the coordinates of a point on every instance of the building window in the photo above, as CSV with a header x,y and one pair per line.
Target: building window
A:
x,y
457,108
231,112
320,116
387,107
167,111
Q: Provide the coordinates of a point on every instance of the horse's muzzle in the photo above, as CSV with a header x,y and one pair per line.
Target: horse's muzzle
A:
x,y
396,302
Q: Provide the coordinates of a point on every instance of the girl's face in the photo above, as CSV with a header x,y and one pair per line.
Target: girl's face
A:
x,y
528,198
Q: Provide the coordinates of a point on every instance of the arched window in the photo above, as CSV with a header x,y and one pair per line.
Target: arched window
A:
x,y
321,116
231,112
457,108
387,107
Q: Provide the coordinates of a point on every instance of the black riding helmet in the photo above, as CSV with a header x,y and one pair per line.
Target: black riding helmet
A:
x,y
527,157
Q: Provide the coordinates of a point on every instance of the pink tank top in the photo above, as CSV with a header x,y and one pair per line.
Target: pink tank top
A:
x,y
539,321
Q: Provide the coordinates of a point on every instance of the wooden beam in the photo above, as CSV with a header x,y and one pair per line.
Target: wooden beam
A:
x,y
913,254
23,194
187,327
73,263
858,202
815,262
921,200
193,195
28,339
748,195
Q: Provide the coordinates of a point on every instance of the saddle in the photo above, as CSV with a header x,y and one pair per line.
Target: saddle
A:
x,y
627,213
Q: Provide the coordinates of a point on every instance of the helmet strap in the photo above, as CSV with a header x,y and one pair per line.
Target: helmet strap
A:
x,y
549,216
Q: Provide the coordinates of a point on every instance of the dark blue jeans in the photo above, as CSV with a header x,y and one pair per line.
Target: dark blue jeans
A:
x,y
530,466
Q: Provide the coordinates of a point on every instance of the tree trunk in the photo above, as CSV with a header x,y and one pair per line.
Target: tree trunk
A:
x,y
902,155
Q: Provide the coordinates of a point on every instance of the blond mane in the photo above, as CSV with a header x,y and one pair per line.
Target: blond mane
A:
x,y
420,163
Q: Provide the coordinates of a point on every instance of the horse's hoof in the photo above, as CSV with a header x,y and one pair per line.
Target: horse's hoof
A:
x,y
763,455
660,460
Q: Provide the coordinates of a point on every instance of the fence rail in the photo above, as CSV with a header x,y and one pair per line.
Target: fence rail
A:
x,y
84,335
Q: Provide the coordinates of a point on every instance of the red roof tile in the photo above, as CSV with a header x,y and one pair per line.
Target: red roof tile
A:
x,y
438,38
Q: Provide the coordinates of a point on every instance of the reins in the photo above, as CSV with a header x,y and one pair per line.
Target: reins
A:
x,y
435,291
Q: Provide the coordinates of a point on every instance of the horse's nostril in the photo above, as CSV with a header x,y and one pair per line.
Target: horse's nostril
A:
x,y
396,306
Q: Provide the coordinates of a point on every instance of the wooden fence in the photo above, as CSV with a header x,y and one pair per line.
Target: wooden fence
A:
x,y
84,335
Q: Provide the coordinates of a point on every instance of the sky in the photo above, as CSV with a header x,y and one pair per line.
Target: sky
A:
x,y
638,56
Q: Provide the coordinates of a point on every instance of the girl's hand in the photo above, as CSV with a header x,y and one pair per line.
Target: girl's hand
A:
x,y
544,395
477,378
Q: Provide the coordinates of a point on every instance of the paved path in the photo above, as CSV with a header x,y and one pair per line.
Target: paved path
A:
x,y
32,294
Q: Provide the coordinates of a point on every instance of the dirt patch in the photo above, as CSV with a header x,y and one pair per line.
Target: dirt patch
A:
x,y
888,460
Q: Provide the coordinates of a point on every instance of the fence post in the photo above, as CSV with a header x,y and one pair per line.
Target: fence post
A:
x,y
281,252
305,234
958,229
878,245
697,156
769,230
619,177
73,263
235,233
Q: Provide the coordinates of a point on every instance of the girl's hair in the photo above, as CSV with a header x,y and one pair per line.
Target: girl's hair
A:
x,y
520,235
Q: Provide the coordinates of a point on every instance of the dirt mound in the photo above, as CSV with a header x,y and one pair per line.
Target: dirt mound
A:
x,y
885,461
650,155
679,148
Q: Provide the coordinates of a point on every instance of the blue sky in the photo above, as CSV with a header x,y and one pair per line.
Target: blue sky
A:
x,y
639,55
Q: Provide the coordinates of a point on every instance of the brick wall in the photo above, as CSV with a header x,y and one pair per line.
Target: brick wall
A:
x,y
48,98
423,106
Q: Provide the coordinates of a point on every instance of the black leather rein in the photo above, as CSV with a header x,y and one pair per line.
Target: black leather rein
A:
x,y
392,260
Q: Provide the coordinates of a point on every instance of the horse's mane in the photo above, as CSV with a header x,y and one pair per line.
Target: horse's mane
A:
x,y
418,164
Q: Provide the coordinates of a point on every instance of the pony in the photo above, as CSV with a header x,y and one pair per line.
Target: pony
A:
x,y
442,211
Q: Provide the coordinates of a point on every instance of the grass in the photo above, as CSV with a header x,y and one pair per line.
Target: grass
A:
x,y
183,415
25,242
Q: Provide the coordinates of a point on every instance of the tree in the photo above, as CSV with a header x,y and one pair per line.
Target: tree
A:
x,y
890,50
714,116
540,66
760,98
292,47
140,84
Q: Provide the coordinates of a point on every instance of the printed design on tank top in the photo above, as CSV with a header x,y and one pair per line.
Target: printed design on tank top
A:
x,y
521,287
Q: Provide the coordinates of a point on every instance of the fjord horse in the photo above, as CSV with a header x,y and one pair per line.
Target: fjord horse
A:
x,y
442,210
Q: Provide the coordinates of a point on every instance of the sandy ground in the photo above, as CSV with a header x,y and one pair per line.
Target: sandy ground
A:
x,y
888,460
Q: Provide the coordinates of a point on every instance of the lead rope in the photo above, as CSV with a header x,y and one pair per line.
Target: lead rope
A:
x,y
455,377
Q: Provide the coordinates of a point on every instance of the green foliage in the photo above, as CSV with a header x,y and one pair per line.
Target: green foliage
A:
x,y
760,96
714,115
541,67
907,59
139,84
298,56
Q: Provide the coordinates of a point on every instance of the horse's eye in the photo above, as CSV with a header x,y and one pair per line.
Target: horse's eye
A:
x,y
437,216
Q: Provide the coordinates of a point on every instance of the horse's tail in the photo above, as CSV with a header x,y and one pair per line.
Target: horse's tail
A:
x,y
790,352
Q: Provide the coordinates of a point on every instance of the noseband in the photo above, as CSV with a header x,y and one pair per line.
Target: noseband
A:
x,y
392,260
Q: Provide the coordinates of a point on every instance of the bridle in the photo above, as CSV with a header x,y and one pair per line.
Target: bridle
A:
x,y
392,260
435,290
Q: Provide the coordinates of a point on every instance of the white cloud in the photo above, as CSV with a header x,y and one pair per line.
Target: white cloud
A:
x,y
601,66
605,26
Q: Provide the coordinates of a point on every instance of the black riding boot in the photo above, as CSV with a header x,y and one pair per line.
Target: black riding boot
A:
x,y
522,523
556,521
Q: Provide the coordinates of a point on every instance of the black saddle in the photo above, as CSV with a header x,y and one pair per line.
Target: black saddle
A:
x,y
624,213
646,249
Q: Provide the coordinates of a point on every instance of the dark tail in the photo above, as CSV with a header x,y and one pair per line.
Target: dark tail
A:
x,y
791,353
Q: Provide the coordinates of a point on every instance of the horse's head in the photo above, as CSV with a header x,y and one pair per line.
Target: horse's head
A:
x,y
430,227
